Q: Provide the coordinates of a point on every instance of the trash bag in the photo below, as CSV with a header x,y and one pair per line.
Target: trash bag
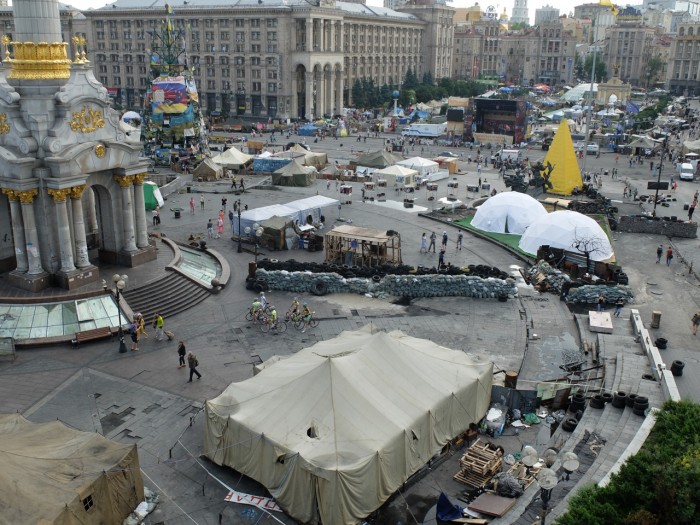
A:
x,y
532,419
446,510
508,487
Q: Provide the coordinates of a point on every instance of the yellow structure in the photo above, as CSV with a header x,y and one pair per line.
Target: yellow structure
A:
x,y
561,163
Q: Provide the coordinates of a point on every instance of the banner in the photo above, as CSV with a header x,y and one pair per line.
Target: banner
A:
x,y
169,95
255,501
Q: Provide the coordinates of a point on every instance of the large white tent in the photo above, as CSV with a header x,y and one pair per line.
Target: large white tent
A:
x,y
297,210
333,430
232,158
422,166
396,175
508,212
565,229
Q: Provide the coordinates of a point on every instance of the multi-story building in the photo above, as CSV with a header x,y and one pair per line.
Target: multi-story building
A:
x,y
520,14
546,14
543,54
692,7
684,62
280,59
601,18
629,47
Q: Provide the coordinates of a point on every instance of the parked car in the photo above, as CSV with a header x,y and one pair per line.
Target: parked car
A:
x,y
592,149
448,154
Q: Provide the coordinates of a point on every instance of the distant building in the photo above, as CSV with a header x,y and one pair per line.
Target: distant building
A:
x,y
520,13
546,14
684,62
629,46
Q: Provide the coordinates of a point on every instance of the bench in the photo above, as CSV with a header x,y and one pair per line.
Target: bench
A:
x,y
92,335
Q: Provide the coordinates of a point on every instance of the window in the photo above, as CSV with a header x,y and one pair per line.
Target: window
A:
x,y
240,73
100,35
239,61
240,36
255,22
255,48
271,48
239,22
211,72
271,36
225,72
255,35
271,22
103,80
117,81
257,87
272,87
224,35
272,74
255,61
211,85
255,73
103,68
115,69
88,503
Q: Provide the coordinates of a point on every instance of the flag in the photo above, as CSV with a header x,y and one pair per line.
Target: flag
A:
x,y
168,9
632,107
609,4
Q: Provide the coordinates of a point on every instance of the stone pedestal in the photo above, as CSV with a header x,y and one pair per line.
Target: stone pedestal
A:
x,y
77,277
137,257
34,282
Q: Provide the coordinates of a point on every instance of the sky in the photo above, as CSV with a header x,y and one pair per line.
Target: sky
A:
x,y
499,5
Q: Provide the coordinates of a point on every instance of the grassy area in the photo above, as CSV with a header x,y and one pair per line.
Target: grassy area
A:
x,y
510,240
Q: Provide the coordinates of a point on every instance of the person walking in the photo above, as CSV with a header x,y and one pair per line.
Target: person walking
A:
x,y
618,306
210,229
230,218
691,209
193,363
433,237
192,205
460,239
659,253
223,203
669,256
201,201
134,333
696,322
181,352
601,302
158,324
441,258
156,216
241,185
444,240
423,244
140,325
220,227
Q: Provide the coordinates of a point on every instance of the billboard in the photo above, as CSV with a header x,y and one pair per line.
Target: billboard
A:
x,y
169,95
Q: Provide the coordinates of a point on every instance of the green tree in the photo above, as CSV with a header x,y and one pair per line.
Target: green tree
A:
x,y
410,81
601,73
358,94
428,78
654,67
519,25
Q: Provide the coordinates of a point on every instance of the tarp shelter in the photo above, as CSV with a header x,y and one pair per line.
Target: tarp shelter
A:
x,y
508,212
208,170
53,474
278,233
298,211
377,159
641,144
364,247
151,195
691,146
311,158
233,159
294,174
565,175
564,229
422,166
333,430
310,209
396,175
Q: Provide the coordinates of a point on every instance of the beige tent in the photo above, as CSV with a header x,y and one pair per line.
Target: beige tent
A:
x,y
311,158
53,474
294,174
232,158
333,430
208,170
377,159
397,175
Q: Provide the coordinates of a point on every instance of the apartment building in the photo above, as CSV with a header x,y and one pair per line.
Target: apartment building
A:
x,y
684,61
629,47
280,59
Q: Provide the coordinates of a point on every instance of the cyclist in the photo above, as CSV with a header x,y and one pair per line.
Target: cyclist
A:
x,y
273,316
306,314
294,309
256,308
263,300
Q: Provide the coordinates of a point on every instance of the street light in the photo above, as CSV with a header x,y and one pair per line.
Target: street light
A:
x,y
547,479
257,231
119,285
238,209
658,177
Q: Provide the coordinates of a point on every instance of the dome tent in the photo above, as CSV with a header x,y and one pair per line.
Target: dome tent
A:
x,y
508,212
563,229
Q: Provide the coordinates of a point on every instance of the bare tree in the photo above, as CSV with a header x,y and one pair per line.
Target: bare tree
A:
x,y
586,246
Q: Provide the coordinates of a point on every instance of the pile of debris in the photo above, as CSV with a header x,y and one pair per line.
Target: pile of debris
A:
x,y
480,463
543,276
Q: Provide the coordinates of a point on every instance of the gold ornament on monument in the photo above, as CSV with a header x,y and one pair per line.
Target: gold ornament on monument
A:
x,y
37,61
4,125
100,150
87,120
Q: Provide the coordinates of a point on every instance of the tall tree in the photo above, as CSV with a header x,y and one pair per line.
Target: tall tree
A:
x,y
410,81
654,67
358,94
428,78
601,73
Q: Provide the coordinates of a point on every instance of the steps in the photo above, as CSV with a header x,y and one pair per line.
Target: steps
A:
x,y
170,295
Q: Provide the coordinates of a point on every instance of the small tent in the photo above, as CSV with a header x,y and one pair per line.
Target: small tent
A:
x,y
232,158
561,158
377,159
568,230
335,429
208,170
396,175
422,166
294,174
54,474
508,212
151,195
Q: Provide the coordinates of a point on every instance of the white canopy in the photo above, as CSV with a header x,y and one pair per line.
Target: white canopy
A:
x,y
232,158
296,210
564,229
421,165
508,212
333,430
396,175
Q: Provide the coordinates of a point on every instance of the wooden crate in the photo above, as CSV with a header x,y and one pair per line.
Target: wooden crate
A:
x,y
479,464
521,473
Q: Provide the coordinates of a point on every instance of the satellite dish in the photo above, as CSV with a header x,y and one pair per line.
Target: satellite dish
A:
x,y
570,463
529,456
547,478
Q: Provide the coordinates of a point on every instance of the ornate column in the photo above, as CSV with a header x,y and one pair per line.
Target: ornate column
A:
x,y
333,48
140,206
127,212
26,197
309,95
81,252
64,240
17,230
309,35
341,42
339,90
328,95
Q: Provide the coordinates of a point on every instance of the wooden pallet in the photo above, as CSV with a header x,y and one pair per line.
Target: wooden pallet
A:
x,y
479,464
521,473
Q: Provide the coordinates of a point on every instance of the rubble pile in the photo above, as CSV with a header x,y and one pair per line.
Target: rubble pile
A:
x,y
588,294
432,285
542,272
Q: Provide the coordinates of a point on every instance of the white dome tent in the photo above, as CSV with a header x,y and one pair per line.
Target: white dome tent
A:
x,y
508,212
565,229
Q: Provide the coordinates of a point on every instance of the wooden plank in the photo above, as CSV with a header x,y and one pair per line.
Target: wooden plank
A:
x,y
491,505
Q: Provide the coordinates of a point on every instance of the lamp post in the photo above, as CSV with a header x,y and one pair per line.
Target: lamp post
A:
x,y
658,176
119,285
256,231
238,209
547,478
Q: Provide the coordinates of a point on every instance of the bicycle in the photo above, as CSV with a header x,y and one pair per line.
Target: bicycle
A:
x,y
262,312
267,325
312,323
292,316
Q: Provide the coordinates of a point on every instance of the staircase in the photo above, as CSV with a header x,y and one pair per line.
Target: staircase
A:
x,y
169,296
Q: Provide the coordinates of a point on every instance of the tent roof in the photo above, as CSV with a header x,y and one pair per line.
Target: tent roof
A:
x,y
46,465
361,234
417,161
643,142
508,212
293,168
378,159
232,158
208,166
277,223
566,175
561,229
317,201
396,170
264,213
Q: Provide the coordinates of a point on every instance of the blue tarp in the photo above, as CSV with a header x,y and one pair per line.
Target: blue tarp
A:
x,y
269,165
448,511
308,130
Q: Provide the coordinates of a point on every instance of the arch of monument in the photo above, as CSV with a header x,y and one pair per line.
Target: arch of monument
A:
x,y
70,182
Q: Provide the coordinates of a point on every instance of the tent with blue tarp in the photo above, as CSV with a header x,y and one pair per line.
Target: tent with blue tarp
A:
x,y
309,130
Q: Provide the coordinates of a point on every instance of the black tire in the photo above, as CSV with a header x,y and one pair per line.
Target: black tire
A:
x,y
631,398
281,327
313,323
249,315
319,287
376,278
258,287
677,368
569,424
607,397
597,401
619,399
640,411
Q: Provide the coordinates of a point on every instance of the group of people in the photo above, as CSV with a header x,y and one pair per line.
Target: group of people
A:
x,y
660,253
262,308
137,329
425,247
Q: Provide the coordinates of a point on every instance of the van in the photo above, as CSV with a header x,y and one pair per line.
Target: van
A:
x,y
686,171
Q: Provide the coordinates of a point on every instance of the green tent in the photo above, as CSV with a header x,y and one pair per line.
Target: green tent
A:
x,y
151,195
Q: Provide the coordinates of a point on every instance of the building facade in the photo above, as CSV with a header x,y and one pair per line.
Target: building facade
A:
x,y
546,14
520,13
283,59
684,61
629,47
601,18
